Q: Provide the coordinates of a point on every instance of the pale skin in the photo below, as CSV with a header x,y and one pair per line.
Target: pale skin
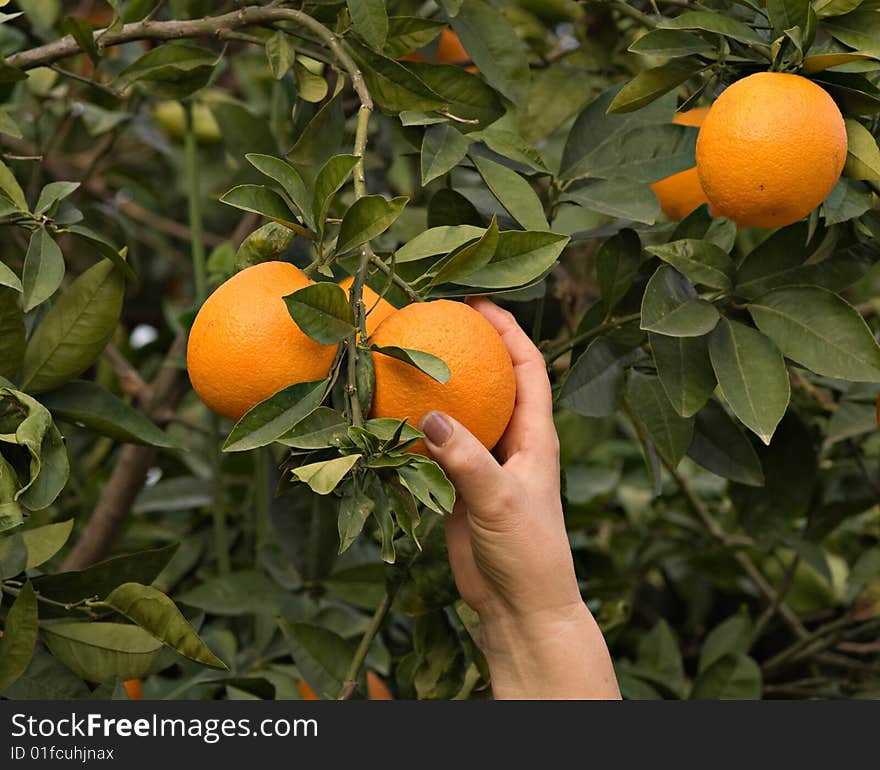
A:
x,y
508,547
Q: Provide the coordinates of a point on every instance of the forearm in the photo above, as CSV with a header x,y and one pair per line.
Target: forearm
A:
x,y
563,656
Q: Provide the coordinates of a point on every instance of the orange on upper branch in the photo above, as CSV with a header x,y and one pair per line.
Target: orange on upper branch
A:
x,y
244,346
771,149
378,308
682,193
481,391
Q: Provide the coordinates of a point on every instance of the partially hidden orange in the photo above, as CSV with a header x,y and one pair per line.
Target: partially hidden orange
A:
x,y
134,688
771,149
244,346
378,308
682,193
481,390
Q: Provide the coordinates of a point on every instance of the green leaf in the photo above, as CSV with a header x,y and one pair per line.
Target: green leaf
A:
x,y
333,174
11,188
731,677
13,555
47,678
469,258
822,61
700,261
272,418
265,243
785,14
83,33
354,510
685,371
52,193
12,332
820,331
751,374
9,278
42,543
618,198
104,248
670,43
513,192
321,139
158,615
718,23
101,578
443,147
495,48
321,429
437,240
322,311
366,218
370,20
171,71
671,306
440,659
598,143
825,8
731,637
649,85
859,30
239,593
310,86
19,636
289,179
660,657
260,200
99,651
670,433
862,153
281,53
466,95
10,511
407,33
721,447
520,257
75,330
323,477
322,656
91,405
393,86
595,381
428,484
617,262
434,367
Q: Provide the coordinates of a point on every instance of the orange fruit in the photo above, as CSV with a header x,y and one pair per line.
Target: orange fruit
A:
x,y
450,50
134,688
681,193
481,391
244,346
771,149
376,688
306,691
378,309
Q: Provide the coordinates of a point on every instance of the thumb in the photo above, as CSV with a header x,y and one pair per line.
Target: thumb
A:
x,y
471,468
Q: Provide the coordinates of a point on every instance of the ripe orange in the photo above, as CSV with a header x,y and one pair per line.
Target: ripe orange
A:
x,y
376,688
681,193
481,391
771,149
134,688
244,346
450,50
378,309
306,691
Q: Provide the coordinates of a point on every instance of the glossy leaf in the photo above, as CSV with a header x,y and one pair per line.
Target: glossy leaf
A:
x,y
751,374
719,445
701,262
321,656
370,21
290,180
281,53
19,636
513,192
43,269
321,429
322,311
469,258
720,24
649,85
428,484
617,261
671,306
366,218
434,367
820,331
670,43
272,418
619,198
12,332
89,404
333,174
520,257
260,200
443,148
594,383
157,614
862,153
42,543
323,477
466,95
75,330
354,510
685,371
437,240
171,71
670,433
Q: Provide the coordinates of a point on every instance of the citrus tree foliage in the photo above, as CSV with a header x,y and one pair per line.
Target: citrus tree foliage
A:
x,y
716,387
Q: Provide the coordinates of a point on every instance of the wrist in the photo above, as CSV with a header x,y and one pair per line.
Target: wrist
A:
x,y
557,653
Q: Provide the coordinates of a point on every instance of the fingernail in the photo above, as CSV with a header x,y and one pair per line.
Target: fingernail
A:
x,y
437,429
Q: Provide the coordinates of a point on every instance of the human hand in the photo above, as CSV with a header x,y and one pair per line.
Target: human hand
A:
x,y
508,547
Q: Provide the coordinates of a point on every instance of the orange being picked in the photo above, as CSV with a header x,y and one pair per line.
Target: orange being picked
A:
x,y
481,392
134,688
771,149
378,308
244,346
682,193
